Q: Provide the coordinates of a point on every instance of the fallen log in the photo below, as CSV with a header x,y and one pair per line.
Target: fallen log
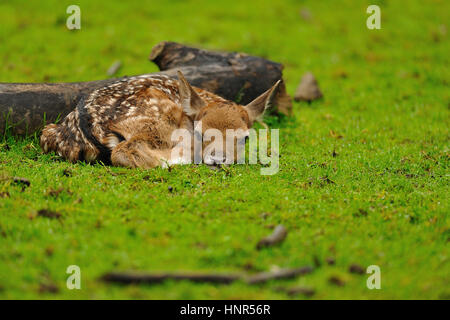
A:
x,y
26,107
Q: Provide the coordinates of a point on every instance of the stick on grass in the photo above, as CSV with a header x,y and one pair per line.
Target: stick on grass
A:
x,y
277,236
222,278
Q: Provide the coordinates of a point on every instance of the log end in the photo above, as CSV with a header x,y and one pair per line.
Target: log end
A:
x,y
157,50
283,100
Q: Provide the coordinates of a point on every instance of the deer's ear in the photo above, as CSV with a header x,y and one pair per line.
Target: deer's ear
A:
x,y
190,100
256,108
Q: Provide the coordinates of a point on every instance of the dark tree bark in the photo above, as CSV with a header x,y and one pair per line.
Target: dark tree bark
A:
x,y
235,76
26,107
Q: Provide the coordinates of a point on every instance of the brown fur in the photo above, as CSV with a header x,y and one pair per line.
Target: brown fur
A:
x,y
130,122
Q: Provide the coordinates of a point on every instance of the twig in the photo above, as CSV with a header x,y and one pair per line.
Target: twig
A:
x,y
149,278
224,278
279,274
277,236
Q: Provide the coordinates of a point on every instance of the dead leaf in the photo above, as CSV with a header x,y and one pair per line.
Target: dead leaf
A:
x,y
336,281
356,268
49,214
335,135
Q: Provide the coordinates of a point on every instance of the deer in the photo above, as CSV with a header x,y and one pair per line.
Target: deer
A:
x,y
130,123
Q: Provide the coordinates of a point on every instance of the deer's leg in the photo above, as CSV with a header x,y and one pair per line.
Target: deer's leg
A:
x,y
137,153
67,140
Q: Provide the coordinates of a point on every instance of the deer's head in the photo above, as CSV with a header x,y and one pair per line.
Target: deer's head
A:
x,y
222,126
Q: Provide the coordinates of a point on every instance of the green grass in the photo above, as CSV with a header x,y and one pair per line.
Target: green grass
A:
x,y
385,92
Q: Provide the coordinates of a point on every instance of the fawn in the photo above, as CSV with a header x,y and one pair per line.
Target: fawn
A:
x,y
130,123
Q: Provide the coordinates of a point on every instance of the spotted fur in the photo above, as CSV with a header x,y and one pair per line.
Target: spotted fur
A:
x,y
129,123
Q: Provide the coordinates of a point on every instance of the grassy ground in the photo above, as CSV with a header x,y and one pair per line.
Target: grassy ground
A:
x,y
385,114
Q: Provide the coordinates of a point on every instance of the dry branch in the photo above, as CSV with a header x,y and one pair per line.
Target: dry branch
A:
x,y
235,76
279,274
278,235
152,278
149,278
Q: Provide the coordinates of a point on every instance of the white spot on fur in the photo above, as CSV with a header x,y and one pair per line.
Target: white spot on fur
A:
x,y
111,141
